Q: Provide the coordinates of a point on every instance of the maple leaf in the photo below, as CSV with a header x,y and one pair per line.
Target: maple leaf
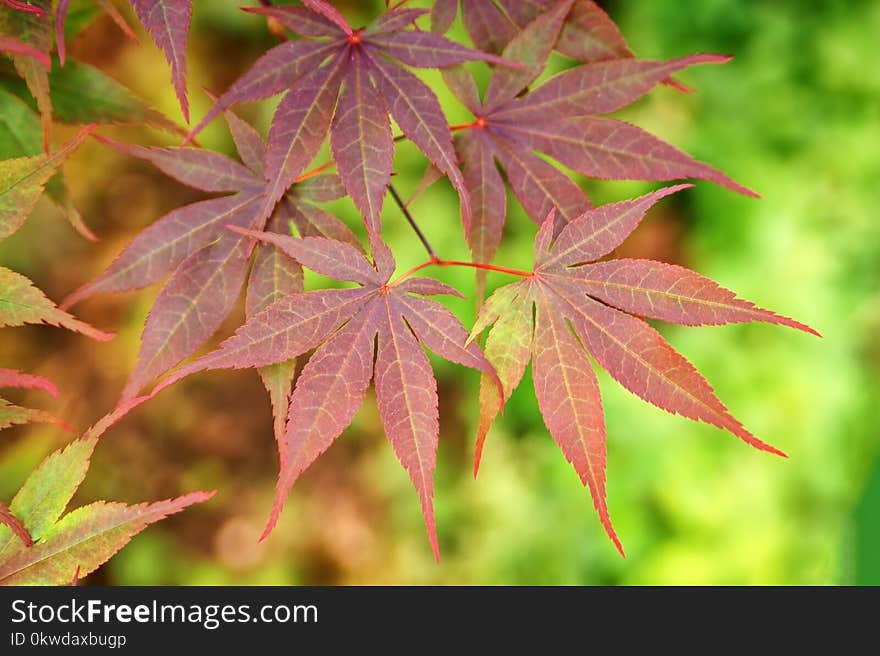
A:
x,y
168,22
344,325
13,378
569,308
18,5
509,127
11,414
347,82
588,35
207,264
40,547
16,47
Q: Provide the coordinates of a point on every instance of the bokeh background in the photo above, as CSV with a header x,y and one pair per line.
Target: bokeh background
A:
x,y
796,116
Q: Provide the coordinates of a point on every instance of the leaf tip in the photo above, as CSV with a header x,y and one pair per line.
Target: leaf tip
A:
x,y
609,529
242,231
270,524
102,336
435,547
478,455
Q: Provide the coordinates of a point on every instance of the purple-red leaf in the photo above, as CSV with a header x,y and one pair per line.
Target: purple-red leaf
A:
x,y
417,111
284,330
589,34
16,47
168,21
189,309
643,362
329,12
394,21
608,149
599,231
10,520
360,131
671,293
332,385
299,20
248,143
21,5
442,332
362,144
157,251
488,27
569,323
569,399
443,14
272,73
430,50
427,287
274,276
194,167
329,392
320,188
327,257
537,185
13,378
600,88
558,119
406,394
488,195
531,47
431,175
298,129
463,86
312,221
60,16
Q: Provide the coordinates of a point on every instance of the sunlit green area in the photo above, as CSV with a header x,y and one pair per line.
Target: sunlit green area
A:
x,y
795,116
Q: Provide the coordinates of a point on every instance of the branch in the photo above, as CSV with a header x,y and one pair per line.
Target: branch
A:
x,y
412,223
436,261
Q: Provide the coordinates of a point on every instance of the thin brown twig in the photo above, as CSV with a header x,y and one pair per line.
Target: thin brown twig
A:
x,y
412,222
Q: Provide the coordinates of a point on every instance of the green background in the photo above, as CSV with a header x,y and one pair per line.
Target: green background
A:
x,y
796,116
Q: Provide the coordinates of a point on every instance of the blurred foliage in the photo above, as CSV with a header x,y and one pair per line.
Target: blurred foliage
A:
x,y
794,116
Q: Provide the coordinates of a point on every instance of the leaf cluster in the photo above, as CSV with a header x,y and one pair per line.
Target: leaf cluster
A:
x,y
266,221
